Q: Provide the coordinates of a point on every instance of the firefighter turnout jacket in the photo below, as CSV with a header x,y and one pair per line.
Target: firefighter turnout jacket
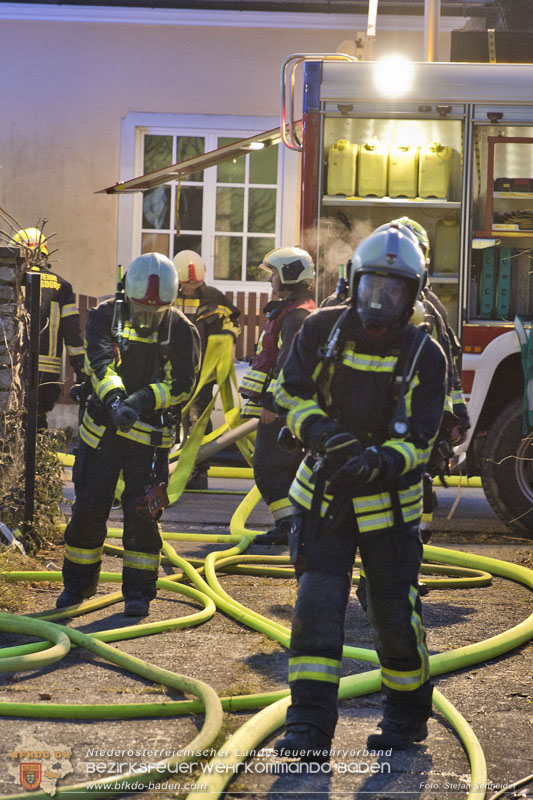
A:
x,y
436,319
211,312
274,467
284,319
357,391
60,323
166,361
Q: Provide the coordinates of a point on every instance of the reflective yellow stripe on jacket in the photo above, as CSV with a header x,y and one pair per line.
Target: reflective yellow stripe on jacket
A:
x,y
50,364
109,383
254,381
68,310
142,434
280,509
302,411
302,489
91,433
373,511
367,362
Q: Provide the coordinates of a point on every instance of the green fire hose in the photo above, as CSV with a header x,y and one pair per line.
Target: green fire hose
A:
x,y
207,591
198,580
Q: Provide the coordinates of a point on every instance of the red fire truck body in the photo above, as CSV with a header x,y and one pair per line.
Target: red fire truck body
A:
x,y
451,146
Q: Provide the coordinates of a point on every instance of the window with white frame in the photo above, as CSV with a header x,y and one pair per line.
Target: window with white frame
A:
x,y
229,213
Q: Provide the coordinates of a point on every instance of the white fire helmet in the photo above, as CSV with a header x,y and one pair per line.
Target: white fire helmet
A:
x,y
293,264
151,286
190,267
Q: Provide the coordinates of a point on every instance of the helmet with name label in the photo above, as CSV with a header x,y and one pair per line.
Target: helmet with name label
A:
x,y
293,265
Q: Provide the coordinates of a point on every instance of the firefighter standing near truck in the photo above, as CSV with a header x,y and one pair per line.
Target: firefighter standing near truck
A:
x,y
436,319
291,276
212,313
60,322
142,358
364,391
455,421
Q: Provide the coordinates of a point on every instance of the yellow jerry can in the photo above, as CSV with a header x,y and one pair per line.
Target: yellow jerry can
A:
x,y
372,171
434,170
342,168
403,171
445,255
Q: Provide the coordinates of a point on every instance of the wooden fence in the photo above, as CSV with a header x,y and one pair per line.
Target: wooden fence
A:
x,y
252,321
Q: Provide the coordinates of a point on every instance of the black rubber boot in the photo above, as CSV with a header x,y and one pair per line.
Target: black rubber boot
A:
x,y
136,604
397,735
306,742
198,480
68,598
79,583
279,534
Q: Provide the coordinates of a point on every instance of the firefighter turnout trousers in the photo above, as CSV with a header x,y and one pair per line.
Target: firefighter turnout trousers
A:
x,y
95,475
324,558
274,468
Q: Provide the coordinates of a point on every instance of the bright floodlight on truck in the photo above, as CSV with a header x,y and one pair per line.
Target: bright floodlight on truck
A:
x,y
393,76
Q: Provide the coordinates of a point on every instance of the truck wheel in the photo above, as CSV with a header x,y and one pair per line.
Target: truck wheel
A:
x,y
507,470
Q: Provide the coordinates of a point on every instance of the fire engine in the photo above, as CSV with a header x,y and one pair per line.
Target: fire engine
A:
x,y
451,146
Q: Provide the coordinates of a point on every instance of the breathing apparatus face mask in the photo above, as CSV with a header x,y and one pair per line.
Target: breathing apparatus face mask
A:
x,y
382,301
146,320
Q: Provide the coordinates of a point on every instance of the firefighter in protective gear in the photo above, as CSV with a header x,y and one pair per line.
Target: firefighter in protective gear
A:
x,y
212,313
291,276
142,359
455,422
60,322
436,319
364,391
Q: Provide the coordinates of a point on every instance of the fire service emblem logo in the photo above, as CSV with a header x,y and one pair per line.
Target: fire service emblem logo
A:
x,y
30,774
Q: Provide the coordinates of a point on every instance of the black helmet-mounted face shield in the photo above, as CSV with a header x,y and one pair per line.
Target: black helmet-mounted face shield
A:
x,y
382,300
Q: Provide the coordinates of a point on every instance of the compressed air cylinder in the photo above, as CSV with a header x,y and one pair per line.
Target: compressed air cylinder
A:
x,y
434,170
342,168
373,169
445,256
450,301
403,171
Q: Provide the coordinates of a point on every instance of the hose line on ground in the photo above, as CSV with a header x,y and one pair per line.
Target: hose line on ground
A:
x,y
199,582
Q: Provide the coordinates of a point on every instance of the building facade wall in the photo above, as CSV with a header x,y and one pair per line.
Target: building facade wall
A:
x,y
67,86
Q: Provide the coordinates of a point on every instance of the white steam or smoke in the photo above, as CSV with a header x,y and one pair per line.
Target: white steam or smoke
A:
x,y
338,242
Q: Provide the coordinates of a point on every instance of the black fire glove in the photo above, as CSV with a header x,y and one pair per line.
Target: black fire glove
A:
x,y
319,432
141,400
75,392
364,468
340,449
122,416
81,377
